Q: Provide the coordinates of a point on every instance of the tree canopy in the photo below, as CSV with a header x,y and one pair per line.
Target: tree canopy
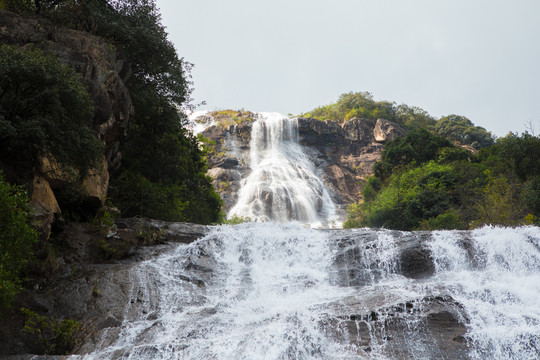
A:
x,y
460,129
163,172
362,105
44,110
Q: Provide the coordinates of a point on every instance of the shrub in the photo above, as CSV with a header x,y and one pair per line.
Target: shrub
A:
x,y
449,220
56,336
16,240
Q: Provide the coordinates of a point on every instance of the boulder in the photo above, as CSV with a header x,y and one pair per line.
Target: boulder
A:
x,y
385,130
44,206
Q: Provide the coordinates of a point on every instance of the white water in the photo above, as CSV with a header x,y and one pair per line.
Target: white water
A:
x,y
498,283
283,184
280,291
283,292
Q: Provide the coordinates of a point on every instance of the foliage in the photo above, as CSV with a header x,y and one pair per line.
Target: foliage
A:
x,y
163,169
498,203
414,117
531,195
16,240
521,153
460,129
351,105
446,221
412,196
418,146
362,105
355,216
44,103
226,118
56,337
163,174
454,189
19,6
236,220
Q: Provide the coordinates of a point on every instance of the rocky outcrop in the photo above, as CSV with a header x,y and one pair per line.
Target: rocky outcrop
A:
x,y
105,74
346,153
343,153
439,324
229,160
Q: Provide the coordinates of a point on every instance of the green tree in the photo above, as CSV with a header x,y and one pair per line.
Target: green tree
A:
x,y
412,196
418,146
351,105
460,129
16,240
499,204
163,173
522,153
414,117
44,110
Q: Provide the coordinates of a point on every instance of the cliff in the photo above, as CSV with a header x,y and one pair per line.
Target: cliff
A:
x,y
105,75
343,153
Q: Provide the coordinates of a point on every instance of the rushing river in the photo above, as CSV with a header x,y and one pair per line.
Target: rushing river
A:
x,y
281,291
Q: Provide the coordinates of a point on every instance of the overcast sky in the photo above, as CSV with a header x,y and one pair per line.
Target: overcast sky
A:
x,y
476,58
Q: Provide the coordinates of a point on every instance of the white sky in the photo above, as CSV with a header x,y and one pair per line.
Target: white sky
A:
x,y
476,58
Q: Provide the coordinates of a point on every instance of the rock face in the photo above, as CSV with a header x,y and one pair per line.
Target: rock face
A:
x,y
105,75
92,283
344,153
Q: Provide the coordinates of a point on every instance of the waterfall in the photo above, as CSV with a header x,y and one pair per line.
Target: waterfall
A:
x,y
281,291
283,184
274,289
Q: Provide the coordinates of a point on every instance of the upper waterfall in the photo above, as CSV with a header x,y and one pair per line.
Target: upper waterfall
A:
x,y
283,184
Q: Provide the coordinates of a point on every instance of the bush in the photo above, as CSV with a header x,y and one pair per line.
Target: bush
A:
x,y
410,197
16,240
450,220
56,336
417,147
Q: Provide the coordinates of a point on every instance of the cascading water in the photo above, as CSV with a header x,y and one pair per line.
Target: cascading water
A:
x,y
283,184
281,291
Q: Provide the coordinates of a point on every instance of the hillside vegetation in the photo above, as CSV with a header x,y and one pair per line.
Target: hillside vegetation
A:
x,y
362,105
431,179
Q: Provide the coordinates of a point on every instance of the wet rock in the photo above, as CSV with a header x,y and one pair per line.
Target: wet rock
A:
x,y
166,231
438,332
415,257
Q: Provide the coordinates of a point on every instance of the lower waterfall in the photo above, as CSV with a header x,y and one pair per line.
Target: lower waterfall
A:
x,y
282,291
